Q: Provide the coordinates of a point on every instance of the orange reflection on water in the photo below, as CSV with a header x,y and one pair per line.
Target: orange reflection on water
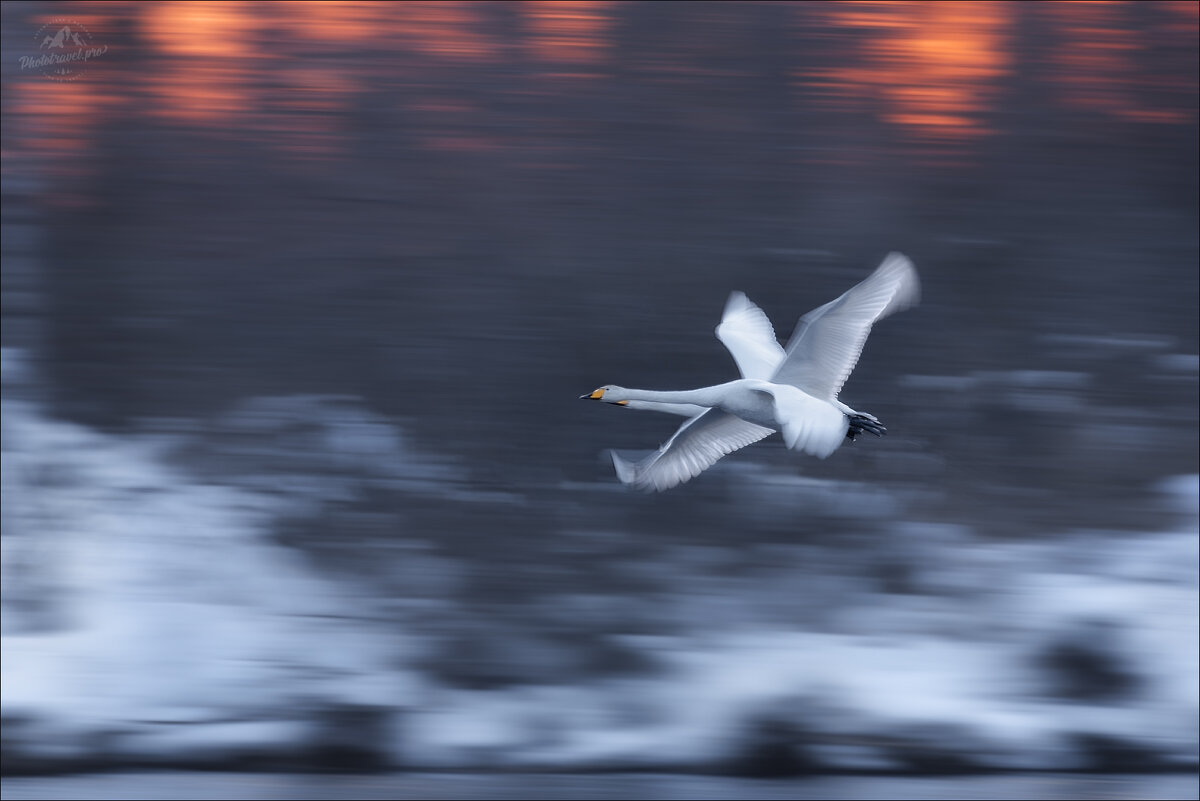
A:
x,y
293,75
446,29
202,48
1186,16
1093,55
56,126
573,32
337,22
198,28
1099,48
932,67
57,115
205,94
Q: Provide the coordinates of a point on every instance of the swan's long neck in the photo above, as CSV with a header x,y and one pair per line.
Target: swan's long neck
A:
x,y
706,396
684,409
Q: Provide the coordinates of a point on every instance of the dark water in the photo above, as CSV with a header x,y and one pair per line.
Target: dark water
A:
x,y
665,786
511,203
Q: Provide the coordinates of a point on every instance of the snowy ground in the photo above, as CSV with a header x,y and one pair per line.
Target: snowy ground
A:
x,y
152,615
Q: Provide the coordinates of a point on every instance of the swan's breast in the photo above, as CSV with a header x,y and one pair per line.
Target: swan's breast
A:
x,y
752,400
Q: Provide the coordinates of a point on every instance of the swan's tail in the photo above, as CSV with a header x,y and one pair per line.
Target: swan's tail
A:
x,y
860,422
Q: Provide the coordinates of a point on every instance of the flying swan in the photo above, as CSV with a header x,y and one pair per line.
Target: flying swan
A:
x,y
793,391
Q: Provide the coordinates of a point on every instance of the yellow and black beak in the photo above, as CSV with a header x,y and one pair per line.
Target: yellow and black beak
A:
x,y
598,394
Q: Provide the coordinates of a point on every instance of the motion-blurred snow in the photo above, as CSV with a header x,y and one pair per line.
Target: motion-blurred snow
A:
x,y
156,613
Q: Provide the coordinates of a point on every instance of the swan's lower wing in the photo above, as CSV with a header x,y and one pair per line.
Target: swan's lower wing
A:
x,y
697,444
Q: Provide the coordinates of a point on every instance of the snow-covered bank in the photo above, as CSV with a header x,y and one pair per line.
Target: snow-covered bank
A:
x,y
151,616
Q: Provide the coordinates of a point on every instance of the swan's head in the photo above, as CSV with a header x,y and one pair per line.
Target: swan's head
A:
x,y
609,394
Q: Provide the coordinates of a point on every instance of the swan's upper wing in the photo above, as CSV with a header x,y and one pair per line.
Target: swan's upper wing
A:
x,y
828,340
695,446
747,332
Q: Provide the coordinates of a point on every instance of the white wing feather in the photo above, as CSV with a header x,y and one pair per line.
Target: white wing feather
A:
x,y
808,424
828,340
697,444
746,331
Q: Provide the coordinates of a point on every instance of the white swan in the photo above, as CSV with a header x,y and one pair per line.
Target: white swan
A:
x,y
793,391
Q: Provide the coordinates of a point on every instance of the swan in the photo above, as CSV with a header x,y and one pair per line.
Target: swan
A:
x,y
793,391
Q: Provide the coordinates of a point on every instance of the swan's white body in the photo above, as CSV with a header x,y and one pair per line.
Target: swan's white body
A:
x,y
793,391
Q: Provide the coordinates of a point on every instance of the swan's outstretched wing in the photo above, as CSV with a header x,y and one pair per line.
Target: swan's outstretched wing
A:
x,y
828,340
747,332
697,444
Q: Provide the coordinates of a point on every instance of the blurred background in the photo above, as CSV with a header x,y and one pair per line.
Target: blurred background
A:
x,y
298,300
